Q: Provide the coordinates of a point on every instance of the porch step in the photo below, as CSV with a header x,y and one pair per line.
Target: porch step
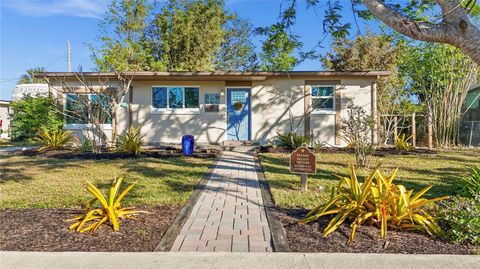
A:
x,y
238,146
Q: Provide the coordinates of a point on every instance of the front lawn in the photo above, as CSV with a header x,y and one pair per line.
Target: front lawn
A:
x,y
415,171
37,182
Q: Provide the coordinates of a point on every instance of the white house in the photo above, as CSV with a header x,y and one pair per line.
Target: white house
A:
x,y
4,118
218,107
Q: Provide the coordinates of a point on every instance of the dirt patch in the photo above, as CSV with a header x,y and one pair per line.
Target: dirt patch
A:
x,y
309,238
113,155
46,230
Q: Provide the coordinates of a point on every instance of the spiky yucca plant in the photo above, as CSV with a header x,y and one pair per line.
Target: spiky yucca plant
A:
x,y
131,141
470,185
402,142
110,210
377,201
53,140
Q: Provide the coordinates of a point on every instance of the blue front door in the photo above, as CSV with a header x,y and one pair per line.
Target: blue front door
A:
x,y
238,116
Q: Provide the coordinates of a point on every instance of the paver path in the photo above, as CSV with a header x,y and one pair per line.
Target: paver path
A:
x,y
229,214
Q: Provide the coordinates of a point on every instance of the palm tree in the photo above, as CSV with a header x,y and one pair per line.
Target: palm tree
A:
x,y
28,77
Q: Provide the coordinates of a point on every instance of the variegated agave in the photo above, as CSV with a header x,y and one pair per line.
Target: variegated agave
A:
x,y
377,201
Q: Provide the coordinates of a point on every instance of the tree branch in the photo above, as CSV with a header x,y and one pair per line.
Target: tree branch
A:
x,y
454,29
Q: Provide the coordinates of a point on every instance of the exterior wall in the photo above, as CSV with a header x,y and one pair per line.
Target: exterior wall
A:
x,y
5,117
167,127
269,111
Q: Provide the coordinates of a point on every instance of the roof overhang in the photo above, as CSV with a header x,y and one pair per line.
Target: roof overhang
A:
x,y
209,76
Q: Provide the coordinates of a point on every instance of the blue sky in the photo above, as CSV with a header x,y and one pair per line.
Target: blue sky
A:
x,y
35,32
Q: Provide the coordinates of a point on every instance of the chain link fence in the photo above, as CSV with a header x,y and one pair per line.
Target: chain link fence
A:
x,y
470,133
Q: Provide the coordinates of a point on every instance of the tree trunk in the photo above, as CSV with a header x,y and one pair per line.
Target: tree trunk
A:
x,y
454,29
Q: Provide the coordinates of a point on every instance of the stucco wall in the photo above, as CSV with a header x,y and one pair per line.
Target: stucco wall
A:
x,y
4,115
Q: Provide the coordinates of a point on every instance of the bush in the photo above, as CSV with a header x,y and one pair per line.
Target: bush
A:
x,y
35,113
470,185
110,210
54,139
356,132
131,141
377,201
291,140
401,142
87,145
461,218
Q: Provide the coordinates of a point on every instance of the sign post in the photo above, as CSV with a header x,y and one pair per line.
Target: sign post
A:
x,y
303,162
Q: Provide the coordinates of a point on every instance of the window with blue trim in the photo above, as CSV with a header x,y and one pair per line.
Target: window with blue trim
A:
x,y
323,98
175,97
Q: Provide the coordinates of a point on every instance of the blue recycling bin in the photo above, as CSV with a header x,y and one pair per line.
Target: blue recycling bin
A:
x,y
188,144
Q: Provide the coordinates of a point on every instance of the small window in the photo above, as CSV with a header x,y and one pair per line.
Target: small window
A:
x,y
323,98
75,112
175,97
212,98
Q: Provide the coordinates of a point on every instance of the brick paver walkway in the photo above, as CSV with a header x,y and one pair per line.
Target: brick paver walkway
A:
x,y
229,215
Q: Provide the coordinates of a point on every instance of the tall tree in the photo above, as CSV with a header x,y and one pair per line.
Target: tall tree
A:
x,y
440,76
186,35
122,37
280,49
28,76
237,51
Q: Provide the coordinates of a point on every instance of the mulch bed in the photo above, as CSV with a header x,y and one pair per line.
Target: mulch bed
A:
x,y
46,230
112,155
382,151
309,238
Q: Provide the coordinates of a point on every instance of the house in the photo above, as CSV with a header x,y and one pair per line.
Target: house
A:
x,y
4,118
472,104
221,107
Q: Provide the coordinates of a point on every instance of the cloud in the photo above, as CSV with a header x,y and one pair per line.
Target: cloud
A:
x,y
44,8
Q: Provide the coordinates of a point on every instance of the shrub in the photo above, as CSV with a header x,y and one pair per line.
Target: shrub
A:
x,y
291,140
377,201
110,211
401,142
87,145
35,113
470,185
356,132
461,218
54,139
131,141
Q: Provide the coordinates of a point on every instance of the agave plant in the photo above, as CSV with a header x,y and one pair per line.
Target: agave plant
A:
x,y
131,141
402,142
377,201
110,211
470,185
54,140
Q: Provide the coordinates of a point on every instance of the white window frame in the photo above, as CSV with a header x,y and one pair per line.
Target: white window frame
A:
x,y
211,93
324,110
167,110
81,126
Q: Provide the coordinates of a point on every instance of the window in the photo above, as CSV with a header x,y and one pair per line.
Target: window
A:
x,y
77,113
323,98
212,98
212,102
175,97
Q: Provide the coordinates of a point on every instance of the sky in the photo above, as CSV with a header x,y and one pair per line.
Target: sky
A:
x,y
35,32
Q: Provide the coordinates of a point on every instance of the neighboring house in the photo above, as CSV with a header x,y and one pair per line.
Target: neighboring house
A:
x,y
31,89
169,105
472,102
4,118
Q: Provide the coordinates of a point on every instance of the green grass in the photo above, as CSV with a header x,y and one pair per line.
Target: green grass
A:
x,y
415,172
27,182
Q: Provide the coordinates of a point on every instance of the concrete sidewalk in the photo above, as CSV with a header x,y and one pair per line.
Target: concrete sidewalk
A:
x,y
142,260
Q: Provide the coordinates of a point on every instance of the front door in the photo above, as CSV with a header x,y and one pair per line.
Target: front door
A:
x,y
238,114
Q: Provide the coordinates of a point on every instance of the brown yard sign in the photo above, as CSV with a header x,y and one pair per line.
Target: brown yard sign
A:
x,y
303,161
